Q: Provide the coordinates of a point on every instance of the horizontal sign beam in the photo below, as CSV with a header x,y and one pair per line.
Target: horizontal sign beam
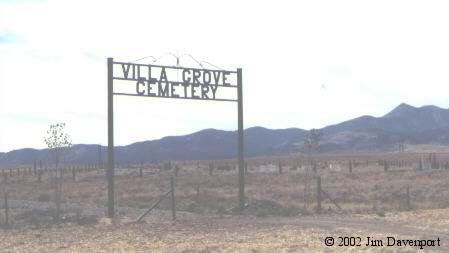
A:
x,y
189,98
175,82
174,67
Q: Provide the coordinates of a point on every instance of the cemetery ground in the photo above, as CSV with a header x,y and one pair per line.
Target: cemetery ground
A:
x,y
360,196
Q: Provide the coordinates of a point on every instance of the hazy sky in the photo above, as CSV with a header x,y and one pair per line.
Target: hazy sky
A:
x,y
305,64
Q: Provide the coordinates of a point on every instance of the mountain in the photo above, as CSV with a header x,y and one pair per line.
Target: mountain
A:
x,y
213,144
403,119
205,144
405,123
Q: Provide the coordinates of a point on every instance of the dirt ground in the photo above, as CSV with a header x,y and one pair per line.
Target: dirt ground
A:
x,y
234,234
375,203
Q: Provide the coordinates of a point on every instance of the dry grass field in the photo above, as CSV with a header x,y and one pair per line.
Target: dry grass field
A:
x,y
278,217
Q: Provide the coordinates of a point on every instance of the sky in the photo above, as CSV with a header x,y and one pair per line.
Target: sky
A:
x,y
306,64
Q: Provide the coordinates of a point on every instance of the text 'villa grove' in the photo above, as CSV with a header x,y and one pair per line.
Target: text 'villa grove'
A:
x,y
160,81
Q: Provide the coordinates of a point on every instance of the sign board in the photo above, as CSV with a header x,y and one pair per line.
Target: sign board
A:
x,y
174,82
146,80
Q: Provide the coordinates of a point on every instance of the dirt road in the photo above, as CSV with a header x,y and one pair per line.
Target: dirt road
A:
x,y
234,234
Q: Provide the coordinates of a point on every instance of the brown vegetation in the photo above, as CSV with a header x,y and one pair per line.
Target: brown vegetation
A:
x,y
206,193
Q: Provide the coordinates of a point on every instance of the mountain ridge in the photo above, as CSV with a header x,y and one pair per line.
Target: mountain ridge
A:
x,y
405,123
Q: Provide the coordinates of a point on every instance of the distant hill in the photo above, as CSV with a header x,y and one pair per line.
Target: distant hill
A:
x,y
405,123
205,144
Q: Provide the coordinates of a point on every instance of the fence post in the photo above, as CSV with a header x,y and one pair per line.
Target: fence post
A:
x,y
173,203
197,188
141,169
211,169
177,168
280,167
6,210
409,207
350,166
318,194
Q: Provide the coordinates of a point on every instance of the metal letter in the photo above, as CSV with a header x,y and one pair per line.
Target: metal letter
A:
x,y
206,73
214,90
185,88
196,76
217,76
149,73
138,71
141,81
193,90
225,78
204,91
172,90
163,76
163,92
150,82
125,71
184,79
